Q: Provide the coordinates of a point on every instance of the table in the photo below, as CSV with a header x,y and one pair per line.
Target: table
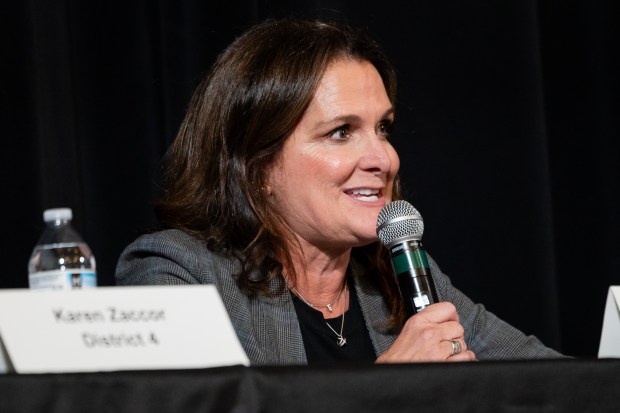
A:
x,y
507,386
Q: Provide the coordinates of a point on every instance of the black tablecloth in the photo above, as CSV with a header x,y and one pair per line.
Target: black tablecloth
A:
x,y
515,386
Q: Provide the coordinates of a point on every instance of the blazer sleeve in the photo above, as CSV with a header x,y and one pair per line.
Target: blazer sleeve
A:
x,y
489,337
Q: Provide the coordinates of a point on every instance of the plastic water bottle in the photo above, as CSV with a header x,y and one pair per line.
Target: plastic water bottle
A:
x,y
61,259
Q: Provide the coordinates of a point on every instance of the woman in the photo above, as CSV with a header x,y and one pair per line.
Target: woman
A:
x,y
272,190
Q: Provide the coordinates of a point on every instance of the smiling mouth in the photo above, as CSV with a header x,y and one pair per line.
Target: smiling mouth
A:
x,y
365,195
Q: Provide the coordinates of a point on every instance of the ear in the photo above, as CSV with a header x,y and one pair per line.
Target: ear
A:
x,y
268,178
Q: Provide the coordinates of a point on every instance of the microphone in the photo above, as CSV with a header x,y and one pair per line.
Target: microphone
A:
x,y
400,228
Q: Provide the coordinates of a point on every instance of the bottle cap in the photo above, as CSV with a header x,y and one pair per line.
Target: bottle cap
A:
x,y
57,214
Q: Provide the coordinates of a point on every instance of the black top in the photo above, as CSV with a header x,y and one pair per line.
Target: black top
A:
x,y
321,343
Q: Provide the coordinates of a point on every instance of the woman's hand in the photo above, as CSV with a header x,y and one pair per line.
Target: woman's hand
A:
x,y
428,336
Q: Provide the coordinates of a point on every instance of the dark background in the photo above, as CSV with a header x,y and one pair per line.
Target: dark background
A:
x,y
507,128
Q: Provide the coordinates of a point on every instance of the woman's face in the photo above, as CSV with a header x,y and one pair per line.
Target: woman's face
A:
x,y
337,169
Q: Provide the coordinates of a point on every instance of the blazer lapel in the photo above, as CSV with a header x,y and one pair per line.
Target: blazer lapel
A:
x,y
376,315
278,332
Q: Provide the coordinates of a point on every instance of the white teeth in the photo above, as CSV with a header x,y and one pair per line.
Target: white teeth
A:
x,y
369,198
365,191
366,195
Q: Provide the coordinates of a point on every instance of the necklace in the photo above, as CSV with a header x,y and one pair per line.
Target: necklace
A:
x,y
330,306
341,340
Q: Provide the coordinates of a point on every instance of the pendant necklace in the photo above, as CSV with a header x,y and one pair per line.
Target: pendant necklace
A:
x,y
329,306
341,340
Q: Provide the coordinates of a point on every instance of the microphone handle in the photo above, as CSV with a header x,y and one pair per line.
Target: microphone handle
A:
x,y
414,276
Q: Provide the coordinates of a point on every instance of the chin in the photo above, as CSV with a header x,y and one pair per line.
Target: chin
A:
x,y
367,237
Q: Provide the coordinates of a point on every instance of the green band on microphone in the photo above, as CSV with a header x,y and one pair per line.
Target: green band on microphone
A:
x,y
409,259
421,259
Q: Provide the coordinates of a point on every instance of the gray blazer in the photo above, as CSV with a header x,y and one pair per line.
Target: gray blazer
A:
x,y
268,328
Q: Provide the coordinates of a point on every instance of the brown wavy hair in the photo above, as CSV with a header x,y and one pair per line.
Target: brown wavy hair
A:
x,y
234,129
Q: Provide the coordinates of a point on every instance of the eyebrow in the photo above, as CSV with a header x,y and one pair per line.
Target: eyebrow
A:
x,y
349,119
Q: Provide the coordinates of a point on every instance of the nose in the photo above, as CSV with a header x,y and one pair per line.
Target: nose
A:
x,y
378,155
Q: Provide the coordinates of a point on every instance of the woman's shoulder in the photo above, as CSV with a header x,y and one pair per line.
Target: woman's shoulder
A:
x,y
169,238
170,257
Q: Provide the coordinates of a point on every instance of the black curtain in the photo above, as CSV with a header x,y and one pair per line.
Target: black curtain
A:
x,y
507,128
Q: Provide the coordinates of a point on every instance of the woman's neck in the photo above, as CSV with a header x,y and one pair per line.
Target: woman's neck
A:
x,y
320,277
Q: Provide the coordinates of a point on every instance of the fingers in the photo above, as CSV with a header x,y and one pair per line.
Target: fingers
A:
x,y
464,356
433,334
439,312
435,323
456,350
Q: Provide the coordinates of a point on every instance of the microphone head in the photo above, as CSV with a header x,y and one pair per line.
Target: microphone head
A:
x,y
399,221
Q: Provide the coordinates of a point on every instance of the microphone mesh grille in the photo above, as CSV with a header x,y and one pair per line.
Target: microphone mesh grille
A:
x,y
399,220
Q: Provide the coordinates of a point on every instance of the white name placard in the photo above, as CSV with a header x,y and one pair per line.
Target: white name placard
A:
x,y
610,335
117,328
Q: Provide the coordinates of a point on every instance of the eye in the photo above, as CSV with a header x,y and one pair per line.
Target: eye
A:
x,y
340,133
385,128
